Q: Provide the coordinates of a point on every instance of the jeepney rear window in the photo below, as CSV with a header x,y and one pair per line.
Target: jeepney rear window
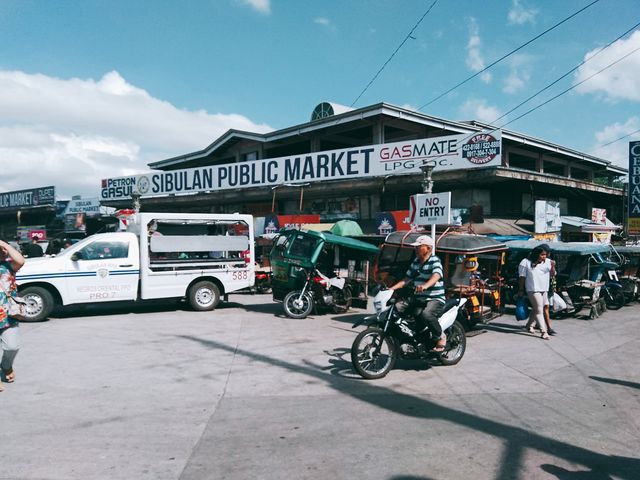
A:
x,y
303,246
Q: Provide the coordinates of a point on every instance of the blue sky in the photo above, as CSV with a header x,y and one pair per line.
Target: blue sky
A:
x,y
102,88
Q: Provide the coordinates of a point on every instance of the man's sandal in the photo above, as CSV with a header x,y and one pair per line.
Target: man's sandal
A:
x,y
9,376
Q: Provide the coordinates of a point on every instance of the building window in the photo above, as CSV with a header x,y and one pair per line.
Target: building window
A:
x,y
521,161
249,157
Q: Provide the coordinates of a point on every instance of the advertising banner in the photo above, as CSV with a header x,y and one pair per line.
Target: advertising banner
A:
x,y
599,215
388,222
273,223
430,208
547,217
634,189
445,153
33,197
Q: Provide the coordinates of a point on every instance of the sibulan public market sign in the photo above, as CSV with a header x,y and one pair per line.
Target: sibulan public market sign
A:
x,y
445,153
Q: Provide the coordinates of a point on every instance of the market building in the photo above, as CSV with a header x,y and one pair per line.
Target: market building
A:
x,y
356,163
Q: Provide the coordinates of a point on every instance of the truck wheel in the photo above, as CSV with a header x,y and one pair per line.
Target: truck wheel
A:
x,y
39,303
204,296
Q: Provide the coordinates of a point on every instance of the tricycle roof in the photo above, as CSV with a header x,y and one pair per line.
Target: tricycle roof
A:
x,y
462,243
336,240
572,248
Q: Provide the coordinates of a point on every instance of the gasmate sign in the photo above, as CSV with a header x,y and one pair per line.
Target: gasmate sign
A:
x,y
453,152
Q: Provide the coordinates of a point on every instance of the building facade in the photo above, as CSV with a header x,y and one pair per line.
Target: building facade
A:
x,y
527,169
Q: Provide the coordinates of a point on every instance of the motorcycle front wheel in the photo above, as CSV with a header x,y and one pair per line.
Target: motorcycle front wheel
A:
x,y
614,298
456,345
373,355
296,306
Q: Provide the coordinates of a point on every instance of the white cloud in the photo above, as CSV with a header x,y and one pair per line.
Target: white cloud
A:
x,y
322,21
478,109
519,73
519,14
71,133
618,152
262,6
475,61
516,81
621,81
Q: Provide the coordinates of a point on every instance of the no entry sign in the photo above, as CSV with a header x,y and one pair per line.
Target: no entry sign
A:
x,y
430,208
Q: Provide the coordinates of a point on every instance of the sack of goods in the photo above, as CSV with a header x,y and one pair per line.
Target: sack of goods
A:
x,y
522,309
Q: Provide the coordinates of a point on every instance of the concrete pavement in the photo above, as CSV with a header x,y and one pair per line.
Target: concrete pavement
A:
x,y
243,392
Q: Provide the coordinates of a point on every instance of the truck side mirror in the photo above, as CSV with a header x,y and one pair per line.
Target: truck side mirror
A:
x,y
76,256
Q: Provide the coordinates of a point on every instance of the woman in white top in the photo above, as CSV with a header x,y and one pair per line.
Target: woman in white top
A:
x,y
534,274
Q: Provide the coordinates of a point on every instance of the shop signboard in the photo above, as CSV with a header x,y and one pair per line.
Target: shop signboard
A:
x,y
452,152
430,208
634,189
26,232
89,206
547,217
33,197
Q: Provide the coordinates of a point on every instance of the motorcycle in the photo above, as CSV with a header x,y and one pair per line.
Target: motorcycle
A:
x,y
263,282
318,291
392,335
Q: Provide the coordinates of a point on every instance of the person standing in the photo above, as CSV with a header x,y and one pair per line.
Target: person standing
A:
x,y
534,274
32,249
426,273
11,260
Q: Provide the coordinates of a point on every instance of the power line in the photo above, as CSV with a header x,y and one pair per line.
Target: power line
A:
x,y
570,88
565,75
507,55
616,140
409,35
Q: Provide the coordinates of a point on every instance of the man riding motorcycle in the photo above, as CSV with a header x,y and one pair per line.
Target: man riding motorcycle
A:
x,y
426,273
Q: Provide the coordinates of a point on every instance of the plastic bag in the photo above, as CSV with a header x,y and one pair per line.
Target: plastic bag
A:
x,y
557,303
522,309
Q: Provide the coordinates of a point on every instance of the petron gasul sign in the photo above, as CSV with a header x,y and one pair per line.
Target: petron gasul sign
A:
x,y
453,152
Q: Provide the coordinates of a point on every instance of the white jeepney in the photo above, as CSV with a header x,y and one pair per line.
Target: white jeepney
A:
x,y
161,255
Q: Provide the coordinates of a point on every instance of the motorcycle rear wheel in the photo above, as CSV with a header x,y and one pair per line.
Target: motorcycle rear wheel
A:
x,y
372,355
456,345
296,307
342,299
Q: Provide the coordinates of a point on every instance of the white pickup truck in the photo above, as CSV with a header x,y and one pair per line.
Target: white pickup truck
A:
x,y
161,255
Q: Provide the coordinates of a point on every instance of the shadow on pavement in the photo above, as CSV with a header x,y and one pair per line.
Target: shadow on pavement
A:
x,y
615,381
564,474
516,439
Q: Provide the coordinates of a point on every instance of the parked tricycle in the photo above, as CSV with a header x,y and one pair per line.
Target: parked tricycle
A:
x,y
319,271
472,269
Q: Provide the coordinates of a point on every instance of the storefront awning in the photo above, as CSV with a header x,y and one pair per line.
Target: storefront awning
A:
x,y
587,226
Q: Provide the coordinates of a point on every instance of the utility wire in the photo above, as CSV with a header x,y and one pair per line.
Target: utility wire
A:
x,y
409,35
570,88
565,75
616,140
507,55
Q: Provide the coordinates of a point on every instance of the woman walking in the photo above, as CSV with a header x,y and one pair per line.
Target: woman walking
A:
x,y
534,274
10,262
